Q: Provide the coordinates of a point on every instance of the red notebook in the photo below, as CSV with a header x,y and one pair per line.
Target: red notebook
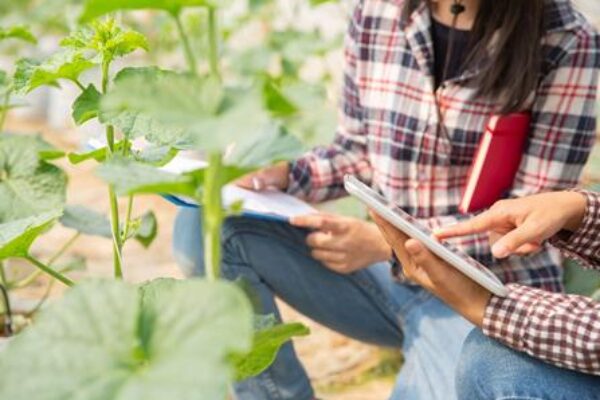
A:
x,y
496,161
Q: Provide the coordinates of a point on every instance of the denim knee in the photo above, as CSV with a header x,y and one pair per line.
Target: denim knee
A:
x,y
489,370
477,370
188,248
188,245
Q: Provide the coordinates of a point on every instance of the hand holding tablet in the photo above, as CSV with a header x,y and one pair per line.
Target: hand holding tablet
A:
x,y
412,228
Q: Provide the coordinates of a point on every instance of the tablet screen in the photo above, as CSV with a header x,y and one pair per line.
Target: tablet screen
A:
x,y
417,224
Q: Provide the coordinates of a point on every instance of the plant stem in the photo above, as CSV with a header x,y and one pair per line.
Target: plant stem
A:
x,y
187,47
79,84
127,219
7,310
114,205
43,299
213,42
212,215
4,111
45,296
116,233
32,277
8,329
114,213
3,279
64,248
49,271
110,139
105,74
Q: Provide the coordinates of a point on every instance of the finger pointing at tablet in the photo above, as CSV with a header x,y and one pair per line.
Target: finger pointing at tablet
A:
x,y
520,226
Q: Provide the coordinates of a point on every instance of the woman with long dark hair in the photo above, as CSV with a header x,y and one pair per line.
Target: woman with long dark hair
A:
x,y
422,80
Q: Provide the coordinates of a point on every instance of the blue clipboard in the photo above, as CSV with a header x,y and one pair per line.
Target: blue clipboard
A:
x,y
181,202
178,201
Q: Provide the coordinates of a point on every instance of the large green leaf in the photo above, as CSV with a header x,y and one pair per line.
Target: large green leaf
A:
x,y
274,144
130,177
28,185
95,8
17,32
266,345
99,154
316,119
69,65
276,101
109,340
89,222
16,237
132,120
157,156
160,105
144,229
6,88
86,105
177,107
86,221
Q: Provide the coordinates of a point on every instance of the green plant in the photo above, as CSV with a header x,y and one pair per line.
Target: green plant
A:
x,y
32,192
171,110
110,340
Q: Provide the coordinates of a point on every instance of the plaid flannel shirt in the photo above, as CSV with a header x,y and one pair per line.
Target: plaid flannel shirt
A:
x,y
388,137
561,329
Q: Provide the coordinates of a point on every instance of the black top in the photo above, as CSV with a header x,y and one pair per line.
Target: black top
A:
x,y
441,37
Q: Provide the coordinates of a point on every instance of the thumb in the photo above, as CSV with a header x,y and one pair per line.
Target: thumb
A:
x,y
334,223
257,181
420,255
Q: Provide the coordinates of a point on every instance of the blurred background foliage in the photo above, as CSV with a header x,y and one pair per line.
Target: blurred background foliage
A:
x,y
295,44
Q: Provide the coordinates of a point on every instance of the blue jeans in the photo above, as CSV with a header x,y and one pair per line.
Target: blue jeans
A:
x,y
367,305
489,370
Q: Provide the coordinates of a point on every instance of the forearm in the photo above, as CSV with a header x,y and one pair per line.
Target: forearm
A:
x,y
560,329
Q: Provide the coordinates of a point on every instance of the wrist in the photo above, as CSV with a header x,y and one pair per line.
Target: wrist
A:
x,y
384,250
576,204
474,309
283,170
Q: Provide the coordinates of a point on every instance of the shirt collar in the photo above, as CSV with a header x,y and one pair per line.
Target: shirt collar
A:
x,y
417,29
559,15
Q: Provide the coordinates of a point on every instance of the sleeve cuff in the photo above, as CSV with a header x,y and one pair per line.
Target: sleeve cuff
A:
x,y
506,318
583,243
299,178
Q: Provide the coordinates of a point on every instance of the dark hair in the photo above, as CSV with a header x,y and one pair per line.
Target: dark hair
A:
x,y
507,44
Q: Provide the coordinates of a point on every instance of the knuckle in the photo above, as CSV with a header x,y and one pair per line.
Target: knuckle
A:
x,y
499,206
345,268
409,274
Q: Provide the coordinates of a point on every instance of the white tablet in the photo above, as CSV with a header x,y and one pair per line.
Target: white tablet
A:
x,y
410,226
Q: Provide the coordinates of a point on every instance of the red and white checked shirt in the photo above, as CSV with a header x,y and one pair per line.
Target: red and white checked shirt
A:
x,y
561,329
388,136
